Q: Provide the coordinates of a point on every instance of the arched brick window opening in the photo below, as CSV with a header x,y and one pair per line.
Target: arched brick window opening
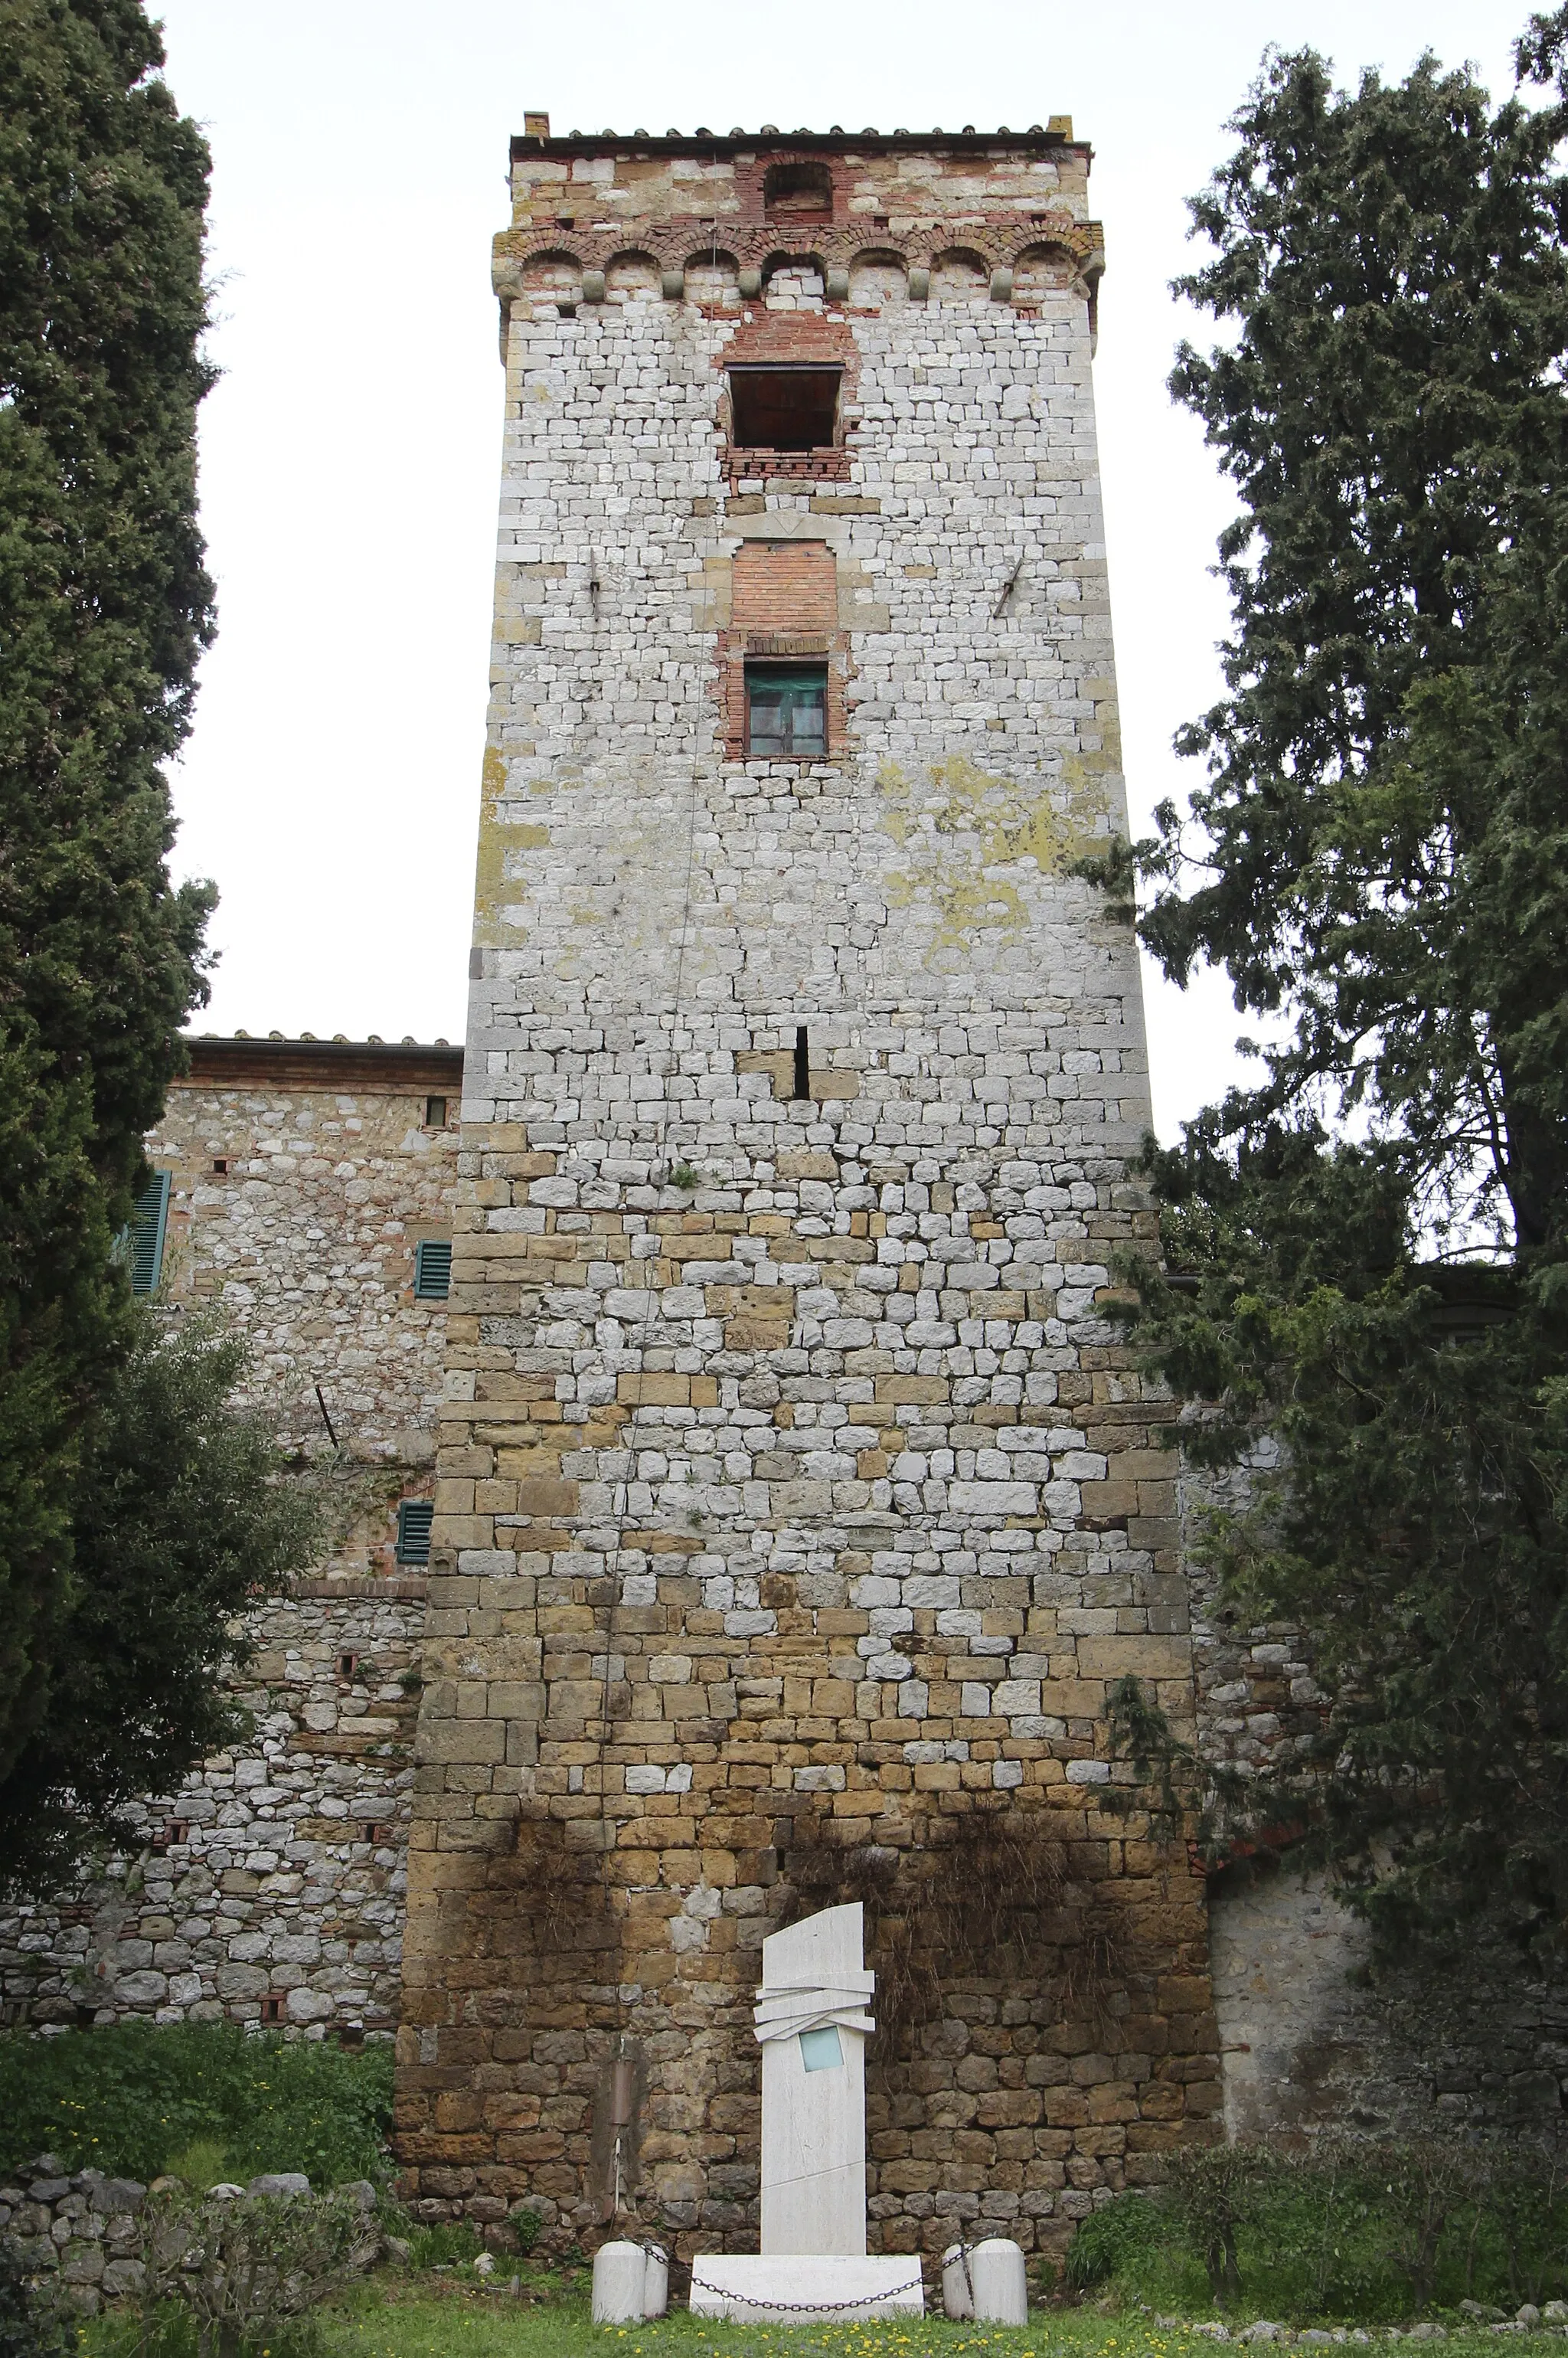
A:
x,y
798,192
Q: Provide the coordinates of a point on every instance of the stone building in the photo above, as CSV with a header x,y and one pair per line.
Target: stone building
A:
x,y
307,1186
796,1506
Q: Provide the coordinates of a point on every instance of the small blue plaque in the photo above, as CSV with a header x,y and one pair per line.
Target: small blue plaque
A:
x,y
820,2050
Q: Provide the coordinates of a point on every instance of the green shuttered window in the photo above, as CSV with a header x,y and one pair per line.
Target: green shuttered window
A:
x,y
432,1270
143,1242
415,1516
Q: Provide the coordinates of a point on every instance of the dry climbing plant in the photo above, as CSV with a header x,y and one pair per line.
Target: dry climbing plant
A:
x,y
974,1900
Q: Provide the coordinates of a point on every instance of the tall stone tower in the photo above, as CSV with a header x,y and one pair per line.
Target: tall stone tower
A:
x,y
797,1504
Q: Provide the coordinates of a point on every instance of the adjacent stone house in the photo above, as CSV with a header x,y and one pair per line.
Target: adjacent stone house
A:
x,y
308,1186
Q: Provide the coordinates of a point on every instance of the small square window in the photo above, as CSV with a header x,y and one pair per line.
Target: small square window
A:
x,y
822,2050
784,409
272,2005
435,1113
432,1269
415,1516
786,710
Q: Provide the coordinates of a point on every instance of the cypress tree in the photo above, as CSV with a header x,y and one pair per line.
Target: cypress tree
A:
x,y
104,608
1365,1291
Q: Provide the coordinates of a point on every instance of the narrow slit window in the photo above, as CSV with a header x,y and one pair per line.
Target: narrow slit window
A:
x,y
784,409
432,1269
787,711
435,1113
801,1062
415,1516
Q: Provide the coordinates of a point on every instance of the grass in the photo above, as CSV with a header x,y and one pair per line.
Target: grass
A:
x,y
392,2319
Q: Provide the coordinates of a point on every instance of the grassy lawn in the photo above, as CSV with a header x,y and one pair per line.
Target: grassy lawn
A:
x,y
393,2319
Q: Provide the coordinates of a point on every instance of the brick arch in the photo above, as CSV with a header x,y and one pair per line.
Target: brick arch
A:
x,y
1043,268
711,278
959,275
632,276
552,276
878,277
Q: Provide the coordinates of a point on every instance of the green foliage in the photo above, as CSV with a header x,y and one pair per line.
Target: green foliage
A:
x,y
1363,2230
1111,2241
129,2099
104,608
29,2327
251,2265
527,2228
1377,857
180,1523
446,2245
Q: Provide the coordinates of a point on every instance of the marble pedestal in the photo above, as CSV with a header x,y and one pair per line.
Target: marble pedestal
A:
x,y
804,2289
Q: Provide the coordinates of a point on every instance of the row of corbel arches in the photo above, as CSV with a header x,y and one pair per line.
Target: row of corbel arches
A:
x,y
874,280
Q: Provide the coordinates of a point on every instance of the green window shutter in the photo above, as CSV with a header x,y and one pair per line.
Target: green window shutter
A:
x,y
415,1516
432,1270
144,1238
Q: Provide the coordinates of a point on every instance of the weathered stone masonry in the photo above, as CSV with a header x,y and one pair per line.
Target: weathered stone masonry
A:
x,y
793,1493
303,1174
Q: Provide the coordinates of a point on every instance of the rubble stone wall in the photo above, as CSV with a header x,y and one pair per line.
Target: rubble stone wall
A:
x,y
796,1498
270,1886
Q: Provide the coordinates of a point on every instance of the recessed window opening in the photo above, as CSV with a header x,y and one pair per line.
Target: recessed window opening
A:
x,y
221,1165
272,2005
435,1113
787,711
798,192
802,1062
784,409
348,1664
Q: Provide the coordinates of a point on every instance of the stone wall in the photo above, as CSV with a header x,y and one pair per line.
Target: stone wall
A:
x,y
77,2231
270,1887
797,1502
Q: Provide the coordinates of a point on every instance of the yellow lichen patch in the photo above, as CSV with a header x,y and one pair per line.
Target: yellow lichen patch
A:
x,y
491,876
530,839
970,822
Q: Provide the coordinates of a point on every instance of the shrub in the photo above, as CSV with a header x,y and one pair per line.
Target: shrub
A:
x,y
440,2246
133,2098
1359,2229
248,2266
30,2325
1111,2240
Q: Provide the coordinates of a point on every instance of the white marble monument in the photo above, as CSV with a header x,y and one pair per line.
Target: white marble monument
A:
x,y
812,2024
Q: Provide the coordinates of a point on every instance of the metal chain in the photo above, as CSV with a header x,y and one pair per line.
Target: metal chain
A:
x,y
818,2307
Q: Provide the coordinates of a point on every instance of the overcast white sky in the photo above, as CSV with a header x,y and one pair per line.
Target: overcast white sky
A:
x,y
350,455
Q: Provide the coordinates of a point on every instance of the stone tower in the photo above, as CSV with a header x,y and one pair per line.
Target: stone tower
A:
x,y
796,1503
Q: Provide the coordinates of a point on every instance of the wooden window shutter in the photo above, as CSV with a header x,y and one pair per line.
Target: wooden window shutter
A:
x,y
144,1238
415,1516
432,1270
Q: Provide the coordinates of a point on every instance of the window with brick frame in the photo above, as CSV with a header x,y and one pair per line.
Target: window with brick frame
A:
x,y
801,191
790,407
787,711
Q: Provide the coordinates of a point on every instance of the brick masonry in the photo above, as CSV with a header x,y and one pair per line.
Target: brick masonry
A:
x,y
796,1503
270,1886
